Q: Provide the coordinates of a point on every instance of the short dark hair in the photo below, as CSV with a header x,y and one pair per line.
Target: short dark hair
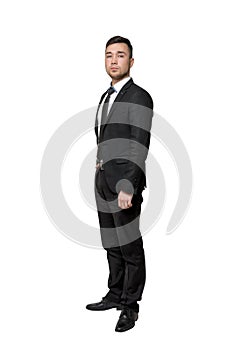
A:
x,y
119,39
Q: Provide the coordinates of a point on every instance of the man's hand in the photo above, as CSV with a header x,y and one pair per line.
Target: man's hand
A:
x,y
124,200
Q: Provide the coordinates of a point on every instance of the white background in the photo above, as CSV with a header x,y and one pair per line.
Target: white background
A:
x,y
51,68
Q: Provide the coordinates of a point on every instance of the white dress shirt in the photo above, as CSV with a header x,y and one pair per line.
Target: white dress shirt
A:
x,y
118,86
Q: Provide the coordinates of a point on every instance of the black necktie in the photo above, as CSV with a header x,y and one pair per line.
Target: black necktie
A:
x,y
110,91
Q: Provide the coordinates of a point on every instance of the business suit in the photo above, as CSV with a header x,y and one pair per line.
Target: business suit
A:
x,y
123,143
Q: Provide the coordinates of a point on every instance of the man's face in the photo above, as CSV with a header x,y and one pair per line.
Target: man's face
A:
x,y
117,61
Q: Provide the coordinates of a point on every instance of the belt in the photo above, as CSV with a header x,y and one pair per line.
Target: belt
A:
x,y
99,164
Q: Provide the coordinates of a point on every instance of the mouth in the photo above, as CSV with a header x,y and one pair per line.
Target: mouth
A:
x,y
114,69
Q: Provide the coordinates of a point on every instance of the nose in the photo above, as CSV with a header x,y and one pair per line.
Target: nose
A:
x,y
114,59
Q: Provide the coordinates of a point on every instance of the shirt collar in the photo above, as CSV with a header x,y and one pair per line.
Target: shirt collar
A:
x,y
118,86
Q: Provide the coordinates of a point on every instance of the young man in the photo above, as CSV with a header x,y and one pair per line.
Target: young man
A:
x,y
122,128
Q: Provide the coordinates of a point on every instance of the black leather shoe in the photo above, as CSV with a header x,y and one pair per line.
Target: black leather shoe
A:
x,y
103,305
126,320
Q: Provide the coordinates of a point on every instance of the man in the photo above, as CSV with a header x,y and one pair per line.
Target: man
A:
x,y
122,128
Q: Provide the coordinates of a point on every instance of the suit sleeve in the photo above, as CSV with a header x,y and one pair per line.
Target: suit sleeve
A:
x,y
140,115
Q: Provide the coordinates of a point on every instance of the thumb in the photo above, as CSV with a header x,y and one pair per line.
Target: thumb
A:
x,y
129,203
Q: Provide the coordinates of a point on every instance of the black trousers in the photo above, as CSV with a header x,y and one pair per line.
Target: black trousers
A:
x,y
121,238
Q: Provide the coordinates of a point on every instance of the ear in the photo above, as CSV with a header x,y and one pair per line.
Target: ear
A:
x,y
131,62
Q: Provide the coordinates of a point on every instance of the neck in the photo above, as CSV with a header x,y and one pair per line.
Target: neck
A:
x,y
114,81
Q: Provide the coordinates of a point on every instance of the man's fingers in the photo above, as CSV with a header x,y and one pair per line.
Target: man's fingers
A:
x,y
124,200
124,204
129,203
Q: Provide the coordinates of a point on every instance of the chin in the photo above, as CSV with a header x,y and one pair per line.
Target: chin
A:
x,y
116,76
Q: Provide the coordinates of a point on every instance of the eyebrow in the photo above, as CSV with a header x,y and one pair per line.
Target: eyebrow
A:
x,y
109,52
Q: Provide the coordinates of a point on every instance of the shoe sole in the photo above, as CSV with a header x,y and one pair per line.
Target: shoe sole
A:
x,y
124,329
112,307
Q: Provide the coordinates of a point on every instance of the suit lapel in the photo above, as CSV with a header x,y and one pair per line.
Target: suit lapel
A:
x,y
119,97
96,119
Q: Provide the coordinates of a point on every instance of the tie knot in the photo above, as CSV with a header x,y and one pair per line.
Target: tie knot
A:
x,y
111,90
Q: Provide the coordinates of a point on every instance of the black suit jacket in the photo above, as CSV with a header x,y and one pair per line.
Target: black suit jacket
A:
x,y
124,140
